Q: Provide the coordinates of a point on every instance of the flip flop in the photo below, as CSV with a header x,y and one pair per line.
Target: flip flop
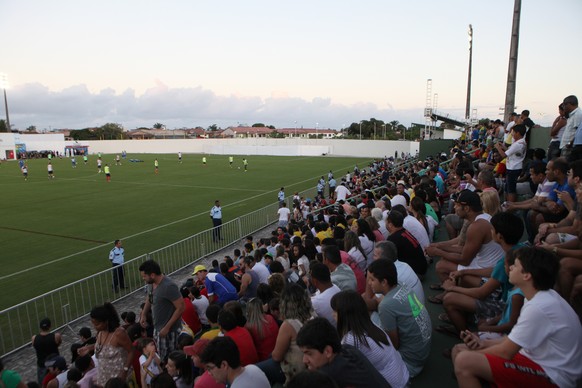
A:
x,y
435,300
448,330
444,317
436,287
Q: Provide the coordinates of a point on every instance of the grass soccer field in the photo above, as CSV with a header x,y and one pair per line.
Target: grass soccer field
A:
x,y
56,231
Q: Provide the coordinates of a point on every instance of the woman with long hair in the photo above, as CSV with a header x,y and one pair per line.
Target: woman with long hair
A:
x,y
179,366
375,227
287,359
366,236
418,209
353,247
113,348
355,328
490,202
263,328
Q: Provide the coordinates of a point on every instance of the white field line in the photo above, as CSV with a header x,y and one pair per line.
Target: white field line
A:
x,y
149,230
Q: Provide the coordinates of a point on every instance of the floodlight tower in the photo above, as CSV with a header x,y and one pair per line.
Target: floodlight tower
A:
x,y
4,84
427,109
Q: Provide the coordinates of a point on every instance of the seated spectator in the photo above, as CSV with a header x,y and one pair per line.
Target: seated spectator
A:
x,y
323,351
487,300
218,288
543,349
57,367
190,315
241,336
200,303
406,276
341,274
229,275
554,209
310,378
212,316
354,249
263,328
413,226
409,249
366,236
479,252
249,282
286,360
179,366
87,367
321,280
222,360
204,380
9,378
404,318
375,226
355,328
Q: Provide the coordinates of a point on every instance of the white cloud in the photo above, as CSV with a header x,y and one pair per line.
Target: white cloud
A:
x,y
76,107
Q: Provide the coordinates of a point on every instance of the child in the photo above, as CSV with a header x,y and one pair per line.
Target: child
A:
x,y
149,361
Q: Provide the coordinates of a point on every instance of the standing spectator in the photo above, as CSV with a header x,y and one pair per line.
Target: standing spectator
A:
x,y
284,215
167,305
216,217
117,258
556,133
45,343
342,192
572,111
515,155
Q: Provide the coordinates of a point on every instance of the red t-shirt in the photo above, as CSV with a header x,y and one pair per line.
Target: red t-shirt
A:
x,y
266,344
245,344
190,316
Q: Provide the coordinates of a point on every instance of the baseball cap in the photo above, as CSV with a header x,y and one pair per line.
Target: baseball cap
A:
x,y
401,182
199,268
469,198
56,362
197,348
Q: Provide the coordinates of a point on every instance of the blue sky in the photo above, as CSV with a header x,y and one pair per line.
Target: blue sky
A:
x,y
74,64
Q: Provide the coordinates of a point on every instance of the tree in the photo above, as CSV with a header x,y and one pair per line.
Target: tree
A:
x,y
258,125
213,127
159,126
32,128
394,125
3,127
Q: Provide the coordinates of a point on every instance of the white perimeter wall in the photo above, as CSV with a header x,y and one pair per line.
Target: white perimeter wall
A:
x,y
258,146
249,146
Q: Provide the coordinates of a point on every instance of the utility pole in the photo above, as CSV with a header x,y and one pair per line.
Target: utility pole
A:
x,y
468,107
512,70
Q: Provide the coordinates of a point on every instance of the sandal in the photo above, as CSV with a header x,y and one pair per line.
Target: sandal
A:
x,y
444,317
435,300
448,330
436,287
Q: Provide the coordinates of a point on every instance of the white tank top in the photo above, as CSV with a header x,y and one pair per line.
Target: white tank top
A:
x,y
489,254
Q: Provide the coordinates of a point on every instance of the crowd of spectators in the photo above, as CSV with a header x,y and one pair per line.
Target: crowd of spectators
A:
x,y
334,297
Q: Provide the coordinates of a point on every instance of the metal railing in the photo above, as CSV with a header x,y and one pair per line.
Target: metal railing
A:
x,y
74,301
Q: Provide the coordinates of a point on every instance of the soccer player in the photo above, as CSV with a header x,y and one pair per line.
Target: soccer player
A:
x,y
180,157
230,161
204,161
99,161
25,172
156,165
51,174
107,173
245,164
